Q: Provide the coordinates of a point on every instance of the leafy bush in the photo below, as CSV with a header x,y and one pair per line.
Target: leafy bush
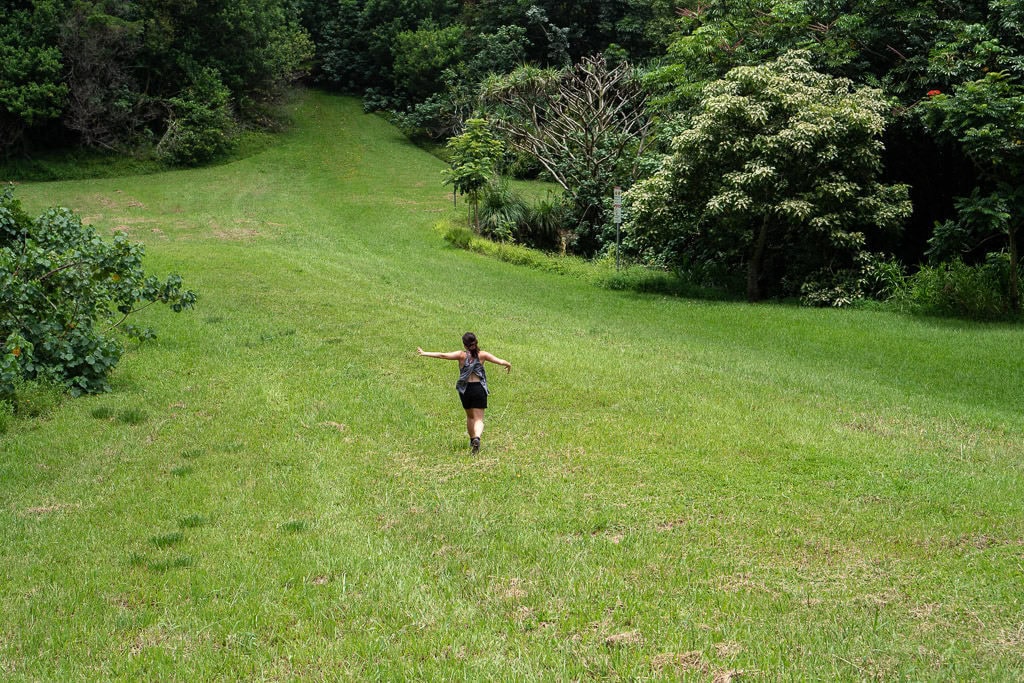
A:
x,y
200,128
977,292
63,293
546,220
873,276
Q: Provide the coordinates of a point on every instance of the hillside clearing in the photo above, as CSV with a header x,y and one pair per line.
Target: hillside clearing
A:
x,y
667,487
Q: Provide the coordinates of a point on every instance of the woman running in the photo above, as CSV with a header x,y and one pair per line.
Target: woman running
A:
x,y
472,384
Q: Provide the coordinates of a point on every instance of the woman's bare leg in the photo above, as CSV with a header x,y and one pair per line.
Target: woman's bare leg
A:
x,y
474,422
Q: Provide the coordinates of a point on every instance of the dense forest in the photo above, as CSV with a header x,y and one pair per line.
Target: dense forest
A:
x,y
827,150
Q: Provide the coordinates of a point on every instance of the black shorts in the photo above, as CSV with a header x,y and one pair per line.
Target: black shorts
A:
x,y
474,396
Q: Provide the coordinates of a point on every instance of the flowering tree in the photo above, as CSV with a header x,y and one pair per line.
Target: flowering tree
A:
x,y
775,174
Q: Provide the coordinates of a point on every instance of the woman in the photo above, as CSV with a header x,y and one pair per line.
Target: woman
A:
x,y
472,384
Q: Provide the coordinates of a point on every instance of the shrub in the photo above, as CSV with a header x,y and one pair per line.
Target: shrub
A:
x,y
503,213
63,293
599,273
546,220
977,292
201,126
457,235
873,276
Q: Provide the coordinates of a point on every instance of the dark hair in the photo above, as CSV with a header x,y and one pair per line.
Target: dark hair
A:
x,y
469,341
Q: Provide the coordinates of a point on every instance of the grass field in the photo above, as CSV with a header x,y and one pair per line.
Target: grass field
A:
x,y
279,488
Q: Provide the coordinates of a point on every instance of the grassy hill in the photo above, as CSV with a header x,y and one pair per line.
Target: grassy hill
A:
x,y
279,488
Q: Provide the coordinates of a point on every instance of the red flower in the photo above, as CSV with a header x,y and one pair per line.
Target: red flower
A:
x,y
933,93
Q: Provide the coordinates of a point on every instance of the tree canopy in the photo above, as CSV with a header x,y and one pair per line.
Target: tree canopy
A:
x,y
591,95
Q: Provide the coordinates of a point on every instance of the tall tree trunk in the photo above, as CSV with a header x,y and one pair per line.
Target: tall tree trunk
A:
x,y
1014,277
756,262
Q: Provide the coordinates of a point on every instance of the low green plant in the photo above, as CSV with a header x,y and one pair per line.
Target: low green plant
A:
x,y
601,273
546,219
180,562
976,292
36,398
132,416
456,235
6,416
168,539
872,276
193,522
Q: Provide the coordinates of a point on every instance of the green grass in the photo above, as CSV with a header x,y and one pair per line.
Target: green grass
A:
x,y
666,487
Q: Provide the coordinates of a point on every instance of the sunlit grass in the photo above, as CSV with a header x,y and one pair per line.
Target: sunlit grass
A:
x,y
666,488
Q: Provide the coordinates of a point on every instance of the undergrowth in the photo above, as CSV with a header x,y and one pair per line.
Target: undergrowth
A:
x,y
601,272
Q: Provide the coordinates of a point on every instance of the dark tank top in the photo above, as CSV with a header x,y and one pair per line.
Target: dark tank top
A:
x,y
471,366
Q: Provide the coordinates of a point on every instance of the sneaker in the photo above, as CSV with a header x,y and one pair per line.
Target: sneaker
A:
x,y
475,443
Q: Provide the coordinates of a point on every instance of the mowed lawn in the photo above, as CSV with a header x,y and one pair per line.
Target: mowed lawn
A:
x,y
279,488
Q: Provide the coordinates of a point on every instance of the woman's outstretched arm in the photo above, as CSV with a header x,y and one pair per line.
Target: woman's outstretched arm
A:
x,y
497,361
454,355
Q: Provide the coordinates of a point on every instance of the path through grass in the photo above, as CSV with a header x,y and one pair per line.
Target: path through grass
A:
x,y
278,487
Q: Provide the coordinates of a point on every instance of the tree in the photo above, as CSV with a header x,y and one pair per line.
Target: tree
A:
x,y
105,104
474,155
587,126
31,89
421,56
775,173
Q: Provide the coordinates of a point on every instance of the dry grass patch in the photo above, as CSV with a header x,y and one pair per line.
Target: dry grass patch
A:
x,y
681,662
728,649
511,589
629,638
235,234
47,509
671,526
742,582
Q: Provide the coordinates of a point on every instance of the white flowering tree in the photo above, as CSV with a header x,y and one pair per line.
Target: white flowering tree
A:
x,y
775,173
